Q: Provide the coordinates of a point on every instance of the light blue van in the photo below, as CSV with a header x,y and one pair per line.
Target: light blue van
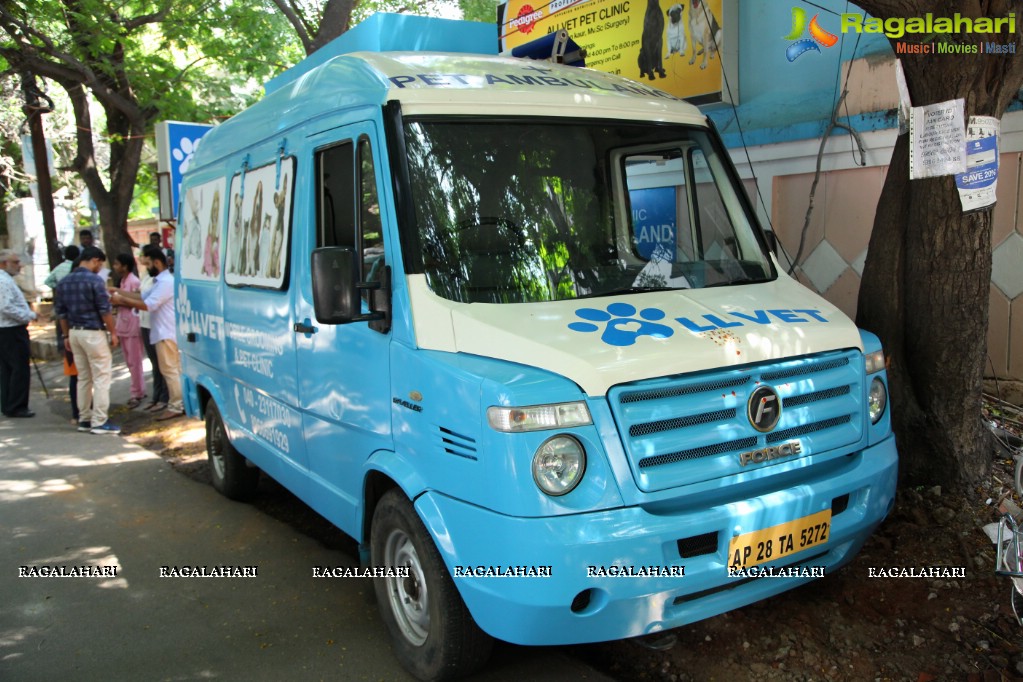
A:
x,y
513,326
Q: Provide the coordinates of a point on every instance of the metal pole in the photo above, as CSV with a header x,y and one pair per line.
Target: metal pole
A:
x,y
40,375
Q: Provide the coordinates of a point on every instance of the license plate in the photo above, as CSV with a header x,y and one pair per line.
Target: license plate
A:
x,y
760,546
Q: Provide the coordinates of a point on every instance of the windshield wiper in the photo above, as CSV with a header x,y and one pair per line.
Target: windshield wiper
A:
x,y
627,290
741,280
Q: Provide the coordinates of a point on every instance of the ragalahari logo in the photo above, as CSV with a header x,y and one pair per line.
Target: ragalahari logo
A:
x,y
818,36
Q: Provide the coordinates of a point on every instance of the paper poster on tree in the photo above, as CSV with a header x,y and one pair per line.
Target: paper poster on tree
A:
x,y
937,139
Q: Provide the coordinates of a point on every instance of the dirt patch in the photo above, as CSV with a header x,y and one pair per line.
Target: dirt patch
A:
x,y
851,626
846,626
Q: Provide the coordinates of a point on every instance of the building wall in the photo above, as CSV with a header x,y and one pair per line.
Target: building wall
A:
x,y
835,245
774,135
26,235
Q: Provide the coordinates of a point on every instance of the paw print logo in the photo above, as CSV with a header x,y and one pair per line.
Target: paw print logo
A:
x,y
622,326
183,154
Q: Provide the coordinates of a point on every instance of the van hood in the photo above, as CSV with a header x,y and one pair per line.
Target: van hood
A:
x,y
602,342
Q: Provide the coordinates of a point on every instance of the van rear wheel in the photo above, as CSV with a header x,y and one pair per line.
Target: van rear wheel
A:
x,y
432,632
230,473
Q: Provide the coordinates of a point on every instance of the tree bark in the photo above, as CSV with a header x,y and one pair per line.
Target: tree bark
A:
x,y
927,277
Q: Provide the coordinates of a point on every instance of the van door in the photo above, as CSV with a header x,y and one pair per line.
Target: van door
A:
x,y
261,402
343,370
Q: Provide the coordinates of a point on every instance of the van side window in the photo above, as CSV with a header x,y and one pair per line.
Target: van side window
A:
x,y
259,227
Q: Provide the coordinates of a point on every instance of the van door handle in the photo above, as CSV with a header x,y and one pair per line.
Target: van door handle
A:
x,y
305,327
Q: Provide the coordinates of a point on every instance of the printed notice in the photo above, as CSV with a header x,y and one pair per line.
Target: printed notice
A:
x,y
937,140
978,184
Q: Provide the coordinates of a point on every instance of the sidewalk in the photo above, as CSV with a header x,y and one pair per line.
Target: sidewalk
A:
x,y
70,499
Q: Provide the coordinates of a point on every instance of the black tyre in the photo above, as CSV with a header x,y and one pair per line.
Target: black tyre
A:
x,y
229,471
432,633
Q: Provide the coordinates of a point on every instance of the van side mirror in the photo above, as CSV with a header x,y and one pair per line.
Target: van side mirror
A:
x,y
337,292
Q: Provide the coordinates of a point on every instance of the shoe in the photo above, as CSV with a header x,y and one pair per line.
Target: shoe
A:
x,y
133,403
107,428
169,414
22,414
156,407
84,426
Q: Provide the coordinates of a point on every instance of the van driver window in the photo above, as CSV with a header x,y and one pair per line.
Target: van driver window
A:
x,y
335,196
348,208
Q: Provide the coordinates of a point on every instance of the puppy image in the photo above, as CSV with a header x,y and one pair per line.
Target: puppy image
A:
x,y
263,246
192,229
704,31
273,266
211,251
676,32
250,252
237,242
652,41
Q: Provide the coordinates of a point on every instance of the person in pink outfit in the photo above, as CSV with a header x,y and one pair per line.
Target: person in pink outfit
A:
x,y
128,329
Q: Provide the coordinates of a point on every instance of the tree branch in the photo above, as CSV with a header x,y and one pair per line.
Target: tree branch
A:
x,y
297,22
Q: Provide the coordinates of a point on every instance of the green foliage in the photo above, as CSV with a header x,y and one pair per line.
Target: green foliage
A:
x,y
191,60
484,11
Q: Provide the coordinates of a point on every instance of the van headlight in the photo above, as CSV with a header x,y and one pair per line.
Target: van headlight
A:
x,y
559,465
877,399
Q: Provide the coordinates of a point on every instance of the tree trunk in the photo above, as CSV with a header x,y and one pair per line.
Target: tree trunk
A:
x,y
927,277
925,293
113,204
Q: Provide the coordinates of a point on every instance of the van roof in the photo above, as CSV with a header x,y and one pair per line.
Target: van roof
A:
x,y
442,83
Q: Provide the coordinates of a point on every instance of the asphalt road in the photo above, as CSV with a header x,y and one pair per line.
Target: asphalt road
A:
x,y
70,499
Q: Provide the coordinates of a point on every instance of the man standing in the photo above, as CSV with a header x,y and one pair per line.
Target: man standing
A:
x,y
156,239
159,301
86,239
63,269
83,307
15,350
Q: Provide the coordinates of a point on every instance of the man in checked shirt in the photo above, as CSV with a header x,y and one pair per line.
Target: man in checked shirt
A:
x,y
83,307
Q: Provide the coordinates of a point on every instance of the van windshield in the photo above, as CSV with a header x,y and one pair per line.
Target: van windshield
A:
x,y
516,211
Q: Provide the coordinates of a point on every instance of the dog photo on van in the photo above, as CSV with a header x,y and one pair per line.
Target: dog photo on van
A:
x,y
197,225
273,266
256,242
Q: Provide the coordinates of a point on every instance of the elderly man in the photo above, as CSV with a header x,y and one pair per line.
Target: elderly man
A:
x,y
83,307
15,351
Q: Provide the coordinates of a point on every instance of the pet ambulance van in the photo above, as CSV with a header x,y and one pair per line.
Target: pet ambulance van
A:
x,y
513,326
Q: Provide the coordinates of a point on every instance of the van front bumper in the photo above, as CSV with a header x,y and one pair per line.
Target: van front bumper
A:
x,y
573,598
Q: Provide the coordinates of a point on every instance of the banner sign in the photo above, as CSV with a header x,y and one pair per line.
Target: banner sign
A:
x,y
176,142
673,46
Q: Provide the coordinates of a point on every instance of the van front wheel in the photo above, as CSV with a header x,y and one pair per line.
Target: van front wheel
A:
x,y
230,473
433,634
